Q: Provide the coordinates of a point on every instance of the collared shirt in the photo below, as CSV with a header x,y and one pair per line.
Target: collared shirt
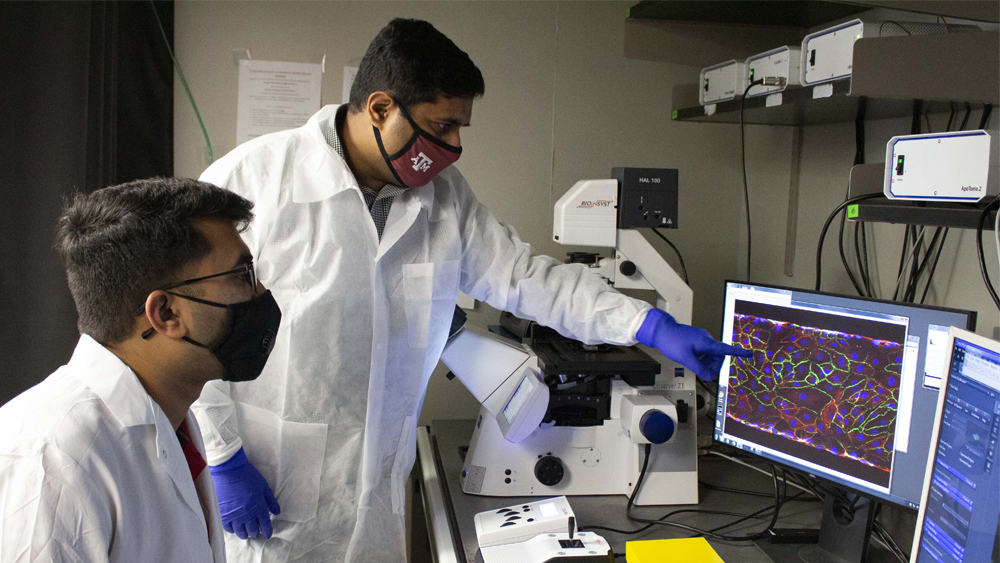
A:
x,y
378,202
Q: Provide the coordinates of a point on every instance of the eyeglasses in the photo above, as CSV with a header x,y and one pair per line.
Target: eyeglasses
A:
x,y
246,271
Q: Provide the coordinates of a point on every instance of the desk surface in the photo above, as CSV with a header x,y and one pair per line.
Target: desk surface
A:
x,y
448,438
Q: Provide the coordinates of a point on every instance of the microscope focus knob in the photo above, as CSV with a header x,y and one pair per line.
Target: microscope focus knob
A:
x,y
627,268
549,470
656,426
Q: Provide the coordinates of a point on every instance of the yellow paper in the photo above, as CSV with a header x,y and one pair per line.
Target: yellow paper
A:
x,y
689,550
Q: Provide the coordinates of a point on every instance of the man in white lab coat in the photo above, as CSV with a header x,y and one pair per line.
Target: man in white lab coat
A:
x,y
366,234
103,461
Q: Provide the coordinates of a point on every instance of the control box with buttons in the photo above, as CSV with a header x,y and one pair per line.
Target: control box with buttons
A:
x,y
521,522
583,547
647,197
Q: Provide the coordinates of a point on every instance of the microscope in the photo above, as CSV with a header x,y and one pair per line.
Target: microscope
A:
x,y
571,419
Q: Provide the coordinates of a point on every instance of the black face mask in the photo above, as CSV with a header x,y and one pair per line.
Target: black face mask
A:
x,y
248,338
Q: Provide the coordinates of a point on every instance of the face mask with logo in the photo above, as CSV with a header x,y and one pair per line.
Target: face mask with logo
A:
x,y
248,337
422,158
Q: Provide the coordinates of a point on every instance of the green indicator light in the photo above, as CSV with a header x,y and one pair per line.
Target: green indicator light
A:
x,y
899,160
673,114
852,211
751,73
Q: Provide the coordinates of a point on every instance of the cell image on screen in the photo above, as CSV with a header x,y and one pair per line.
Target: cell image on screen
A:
x,y
820,387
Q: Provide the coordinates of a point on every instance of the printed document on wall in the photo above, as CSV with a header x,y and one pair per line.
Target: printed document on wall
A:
x,y
275,95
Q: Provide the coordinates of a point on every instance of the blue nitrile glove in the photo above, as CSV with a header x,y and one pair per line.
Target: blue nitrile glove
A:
x,y
244,497
692,347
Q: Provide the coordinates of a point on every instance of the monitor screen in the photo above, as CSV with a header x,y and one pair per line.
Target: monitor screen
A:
x,y
959,517
838,386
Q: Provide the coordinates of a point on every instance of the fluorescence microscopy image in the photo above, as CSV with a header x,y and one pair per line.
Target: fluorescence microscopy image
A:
x,y
832,394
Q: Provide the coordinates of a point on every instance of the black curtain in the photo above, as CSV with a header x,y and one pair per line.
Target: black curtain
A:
x,y
86,101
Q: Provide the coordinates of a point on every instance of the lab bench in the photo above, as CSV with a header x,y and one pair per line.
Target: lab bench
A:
x,y
449,512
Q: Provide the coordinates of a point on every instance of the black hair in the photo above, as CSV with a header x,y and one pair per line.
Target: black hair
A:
x,y
121,242
415,63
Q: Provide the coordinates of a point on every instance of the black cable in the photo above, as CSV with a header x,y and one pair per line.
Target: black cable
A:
x,y
859,158
843,257
902,255
684,270
918,245
951,116
699,532
705,533
915,116
743,160
826,226
862,273
937,256
889,541
984,121
756,514
909,295
864,257
982,257
968,110
911,255
732,490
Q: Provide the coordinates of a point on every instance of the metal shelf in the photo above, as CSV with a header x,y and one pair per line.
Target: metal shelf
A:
x,y
889,71
867,179
959,215
799,107
800,14
807,13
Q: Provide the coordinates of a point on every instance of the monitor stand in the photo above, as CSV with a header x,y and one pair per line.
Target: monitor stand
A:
x,y
842,536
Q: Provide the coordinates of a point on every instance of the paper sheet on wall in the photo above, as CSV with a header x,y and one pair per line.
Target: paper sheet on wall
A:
x,y
275,95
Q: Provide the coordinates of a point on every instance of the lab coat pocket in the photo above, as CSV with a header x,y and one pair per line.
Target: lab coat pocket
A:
x,y
430,290
290,457
406,453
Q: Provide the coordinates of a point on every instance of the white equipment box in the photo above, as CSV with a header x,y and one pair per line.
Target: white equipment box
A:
x,y
828,54
722,82
585,547
521,522
938,166
783,61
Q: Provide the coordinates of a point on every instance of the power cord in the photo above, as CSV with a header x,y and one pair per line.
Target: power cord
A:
x,y
765,81
982,256
696,531
684,271
826,227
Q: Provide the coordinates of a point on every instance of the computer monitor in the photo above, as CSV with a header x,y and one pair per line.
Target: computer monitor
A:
x,y
835,388
959,517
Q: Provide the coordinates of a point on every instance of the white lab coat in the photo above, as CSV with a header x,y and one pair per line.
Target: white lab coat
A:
x,y
92,470
331,421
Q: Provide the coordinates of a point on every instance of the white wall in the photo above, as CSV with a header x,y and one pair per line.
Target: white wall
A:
x,y
563,103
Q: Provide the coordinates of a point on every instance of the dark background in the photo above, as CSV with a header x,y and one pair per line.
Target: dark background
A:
x,y
86,102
